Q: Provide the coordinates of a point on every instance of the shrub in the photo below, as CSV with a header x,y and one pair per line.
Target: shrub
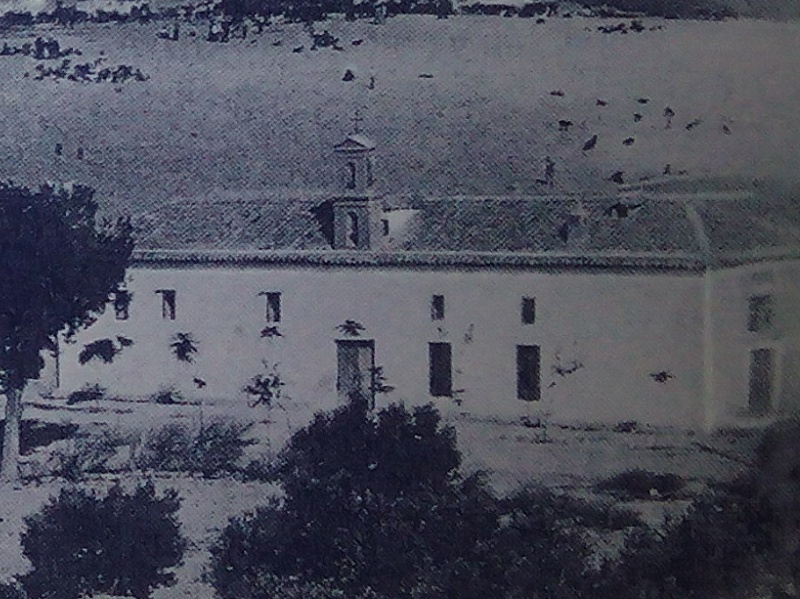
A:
x,y
87,455
168,448
120,544
261,470
265,388
167,396
88,392
570,512
375,503
642,484
214,449
34,433
709,552
218,447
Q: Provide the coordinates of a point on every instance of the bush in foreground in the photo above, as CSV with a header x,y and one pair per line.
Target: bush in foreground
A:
x,y
121,544
374,506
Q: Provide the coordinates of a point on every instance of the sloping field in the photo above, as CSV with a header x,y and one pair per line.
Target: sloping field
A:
x,y
252,115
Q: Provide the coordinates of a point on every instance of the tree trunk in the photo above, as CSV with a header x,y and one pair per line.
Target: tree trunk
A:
x,y
9,467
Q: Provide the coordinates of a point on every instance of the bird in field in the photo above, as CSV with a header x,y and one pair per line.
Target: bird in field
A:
x,y
425,76
628,141
616,177
668,114
601,103
726,130
637,117
693,124
643,100
662,376
590,143
200,383
558,93
564,125
357,42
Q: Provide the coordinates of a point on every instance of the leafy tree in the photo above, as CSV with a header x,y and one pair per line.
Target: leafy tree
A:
x,y
60,265
370,500
374,506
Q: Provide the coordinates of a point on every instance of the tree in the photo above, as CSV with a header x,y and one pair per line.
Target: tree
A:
x,y
60,266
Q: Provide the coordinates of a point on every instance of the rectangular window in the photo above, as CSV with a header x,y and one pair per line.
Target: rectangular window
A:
x,y
122,302
760,313
167,303
528,368
437,307
385,226
528,310
273,306
441,369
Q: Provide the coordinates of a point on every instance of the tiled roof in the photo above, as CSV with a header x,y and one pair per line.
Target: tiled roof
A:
x,y
651,225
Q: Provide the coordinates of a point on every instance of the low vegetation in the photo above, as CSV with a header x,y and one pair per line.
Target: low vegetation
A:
x,y
213,449
641,484
122,543
374,506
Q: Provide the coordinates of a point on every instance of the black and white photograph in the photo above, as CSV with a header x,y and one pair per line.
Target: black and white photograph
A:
x,y
400,299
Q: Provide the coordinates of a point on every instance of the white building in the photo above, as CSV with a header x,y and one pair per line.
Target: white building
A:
x,y
675,302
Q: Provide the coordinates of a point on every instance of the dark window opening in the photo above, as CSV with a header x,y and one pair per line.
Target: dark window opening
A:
x,y
385,226
441,369
122,302
762,363
273,313
351,176
437,307
528,373
528,310
167,303
370,178
352,230
760,313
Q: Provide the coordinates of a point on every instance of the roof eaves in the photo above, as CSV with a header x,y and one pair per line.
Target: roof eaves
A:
x,y
686,261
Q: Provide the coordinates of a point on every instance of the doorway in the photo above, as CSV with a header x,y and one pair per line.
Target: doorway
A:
x,y
355,368
762,370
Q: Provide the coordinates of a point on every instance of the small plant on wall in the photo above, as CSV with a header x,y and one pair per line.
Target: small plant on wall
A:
x,y
265,388
184,347
379,384
104,350
351,328
270,332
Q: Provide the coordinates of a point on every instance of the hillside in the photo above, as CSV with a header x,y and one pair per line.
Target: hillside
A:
x,y
483,117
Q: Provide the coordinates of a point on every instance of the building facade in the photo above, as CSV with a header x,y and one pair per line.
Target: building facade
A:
x,y
673,302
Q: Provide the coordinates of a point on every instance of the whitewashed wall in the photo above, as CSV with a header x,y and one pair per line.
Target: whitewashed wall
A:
x,y
619,327
731,342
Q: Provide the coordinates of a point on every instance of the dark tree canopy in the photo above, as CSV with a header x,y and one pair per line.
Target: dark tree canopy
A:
x,y
58,266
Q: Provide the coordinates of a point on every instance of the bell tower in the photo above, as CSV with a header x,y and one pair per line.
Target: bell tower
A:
x,y
356,214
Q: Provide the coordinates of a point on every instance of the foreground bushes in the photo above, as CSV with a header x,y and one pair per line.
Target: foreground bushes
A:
x,y
374,506
121,544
